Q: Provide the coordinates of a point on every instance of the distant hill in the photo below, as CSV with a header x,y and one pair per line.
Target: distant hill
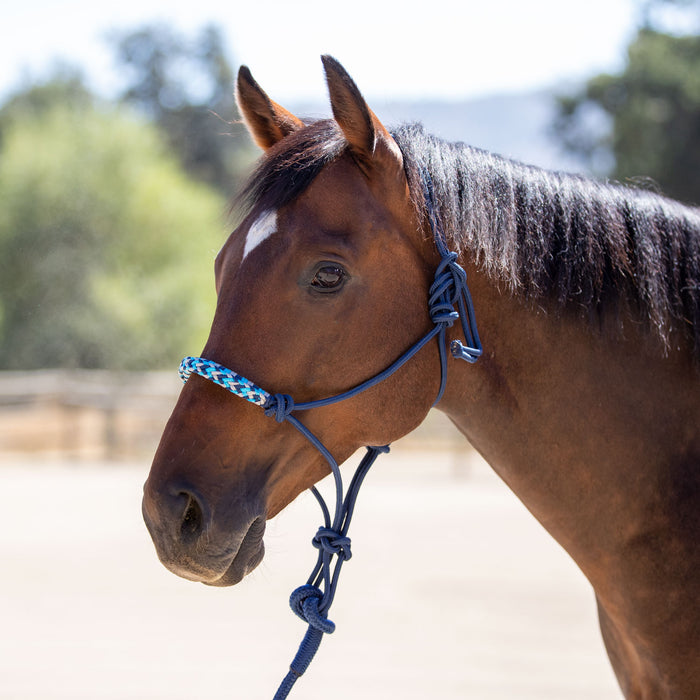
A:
x,y
515,126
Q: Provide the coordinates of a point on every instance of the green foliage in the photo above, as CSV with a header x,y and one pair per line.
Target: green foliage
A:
x,y
64,86
106,247
652,110
186,87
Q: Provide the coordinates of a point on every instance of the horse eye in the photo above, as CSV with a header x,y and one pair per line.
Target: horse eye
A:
x,y
328,277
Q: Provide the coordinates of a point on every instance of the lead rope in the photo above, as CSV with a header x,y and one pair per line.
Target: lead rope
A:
x,y
312,601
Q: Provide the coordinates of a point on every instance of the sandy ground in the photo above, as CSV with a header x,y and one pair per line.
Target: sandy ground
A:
x,y
454,591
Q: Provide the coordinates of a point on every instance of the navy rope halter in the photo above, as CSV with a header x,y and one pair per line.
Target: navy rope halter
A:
x,y
312,601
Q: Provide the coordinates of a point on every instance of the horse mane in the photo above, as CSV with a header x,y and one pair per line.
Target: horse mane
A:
x,y
554,235
583,243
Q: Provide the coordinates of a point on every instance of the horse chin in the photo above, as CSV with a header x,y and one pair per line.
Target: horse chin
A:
x,y
227,568
248,556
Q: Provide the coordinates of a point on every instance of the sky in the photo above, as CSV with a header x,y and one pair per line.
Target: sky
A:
x,y
434,49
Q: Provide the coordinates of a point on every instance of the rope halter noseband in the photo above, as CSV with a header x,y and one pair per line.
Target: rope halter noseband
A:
x,y
449,300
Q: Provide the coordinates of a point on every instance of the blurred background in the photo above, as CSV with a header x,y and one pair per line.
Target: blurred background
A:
x,y
120,150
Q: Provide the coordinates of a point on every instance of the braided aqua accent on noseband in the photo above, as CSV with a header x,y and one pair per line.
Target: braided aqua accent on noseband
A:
x,y
226,378
312,601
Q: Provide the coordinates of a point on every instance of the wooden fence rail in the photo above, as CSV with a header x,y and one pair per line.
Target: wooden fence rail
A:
x,y
121,415
84,412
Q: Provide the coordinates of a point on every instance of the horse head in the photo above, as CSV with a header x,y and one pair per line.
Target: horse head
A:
x,y
322,285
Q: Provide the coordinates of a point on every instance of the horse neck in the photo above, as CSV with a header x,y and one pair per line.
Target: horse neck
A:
x,y
567,413
565,382
594,423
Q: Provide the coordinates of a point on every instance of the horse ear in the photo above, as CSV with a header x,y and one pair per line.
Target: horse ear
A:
x,y
267,122
369,140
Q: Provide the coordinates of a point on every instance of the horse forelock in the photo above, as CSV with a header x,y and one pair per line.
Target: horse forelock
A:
x,y
287,169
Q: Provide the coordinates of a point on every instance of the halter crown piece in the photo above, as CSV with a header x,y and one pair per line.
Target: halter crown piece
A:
x,y
312,601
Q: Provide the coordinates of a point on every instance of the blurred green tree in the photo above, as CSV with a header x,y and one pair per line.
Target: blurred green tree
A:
x,y
65,85
645,122
105,244
186,87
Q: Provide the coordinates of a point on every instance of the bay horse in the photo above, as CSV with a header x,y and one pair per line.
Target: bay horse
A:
x,y
586,400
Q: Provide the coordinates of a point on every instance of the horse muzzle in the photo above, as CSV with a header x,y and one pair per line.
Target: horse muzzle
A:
x,y
192,544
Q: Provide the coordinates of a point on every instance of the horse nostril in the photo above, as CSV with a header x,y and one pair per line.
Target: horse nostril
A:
x,y
192,519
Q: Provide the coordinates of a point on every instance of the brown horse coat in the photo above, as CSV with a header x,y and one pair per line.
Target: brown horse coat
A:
x,y
586,400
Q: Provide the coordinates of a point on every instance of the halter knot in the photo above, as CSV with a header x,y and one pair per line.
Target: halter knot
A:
x,y
279,406
305,601
450,280
450,289
443,313
332,542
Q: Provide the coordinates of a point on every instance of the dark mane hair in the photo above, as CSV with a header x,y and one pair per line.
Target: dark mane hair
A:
x,y
550,234
545,234
289,167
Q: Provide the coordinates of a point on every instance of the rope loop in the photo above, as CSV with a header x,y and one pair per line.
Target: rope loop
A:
x,y
332,543
304,601
279,407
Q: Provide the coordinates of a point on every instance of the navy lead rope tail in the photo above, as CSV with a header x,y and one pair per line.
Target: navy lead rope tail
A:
x,y
312,601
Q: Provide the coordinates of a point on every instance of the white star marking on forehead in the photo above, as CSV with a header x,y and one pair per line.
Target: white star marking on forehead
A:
x,y
263,227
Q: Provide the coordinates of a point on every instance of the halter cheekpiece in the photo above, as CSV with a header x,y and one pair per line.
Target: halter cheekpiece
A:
x,y
449,299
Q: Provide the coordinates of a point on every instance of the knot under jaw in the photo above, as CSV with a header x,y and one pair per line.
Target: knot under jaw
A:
x,y
279,406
